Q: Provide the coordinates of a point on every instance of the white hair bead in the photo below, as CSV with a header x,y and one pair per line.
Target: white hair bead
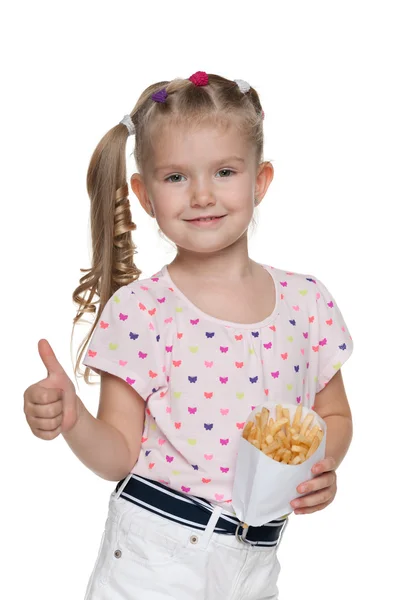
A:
x,y
243,85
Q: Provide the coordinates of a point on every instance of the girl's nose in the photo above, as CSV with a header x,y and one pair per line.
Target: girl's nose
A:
x,y
202,195
202,201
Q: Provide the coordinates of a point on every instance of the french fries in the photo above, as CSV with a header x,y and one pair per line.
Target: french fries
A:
x,y
281,440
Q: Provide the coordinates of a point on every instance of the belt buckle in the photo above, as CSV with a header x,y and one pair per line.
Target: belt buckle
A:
x,y
242,536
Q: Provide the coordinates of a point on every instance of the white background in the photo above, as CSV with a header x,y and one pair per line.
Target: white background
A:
x,y
327,74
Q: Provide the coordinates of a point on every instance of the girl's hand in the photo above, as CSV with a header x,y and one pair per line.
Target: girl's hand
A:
x,y
51,405
320,491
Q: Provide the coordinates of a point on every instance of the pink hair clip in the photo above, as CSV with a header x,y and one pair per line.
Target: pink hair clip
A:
x,y
199,78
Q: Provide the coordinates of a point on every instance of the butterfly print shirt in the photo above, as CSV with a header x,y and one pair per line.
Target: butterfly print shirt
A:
x,y
200,376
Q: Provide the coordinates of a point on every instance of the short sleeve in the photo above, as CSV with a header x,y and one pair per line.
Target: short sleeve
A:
x,y
125,343
334,339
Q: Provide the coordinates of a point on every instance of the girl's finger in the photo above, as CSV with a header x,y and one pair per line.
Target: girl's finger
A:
x,y
318,483
46,424
319,497
307,511
325,465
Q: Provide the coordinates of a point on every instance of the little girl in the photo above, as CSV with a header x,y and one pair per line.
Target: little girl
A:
x,y
185,355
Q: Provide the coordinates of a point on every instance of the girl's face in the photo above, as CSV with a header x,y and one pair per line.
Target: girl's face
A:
x,y
204,171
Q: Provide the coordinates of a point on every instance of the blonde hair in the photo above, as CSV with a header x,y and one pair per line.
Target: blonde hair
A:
x,y
220,101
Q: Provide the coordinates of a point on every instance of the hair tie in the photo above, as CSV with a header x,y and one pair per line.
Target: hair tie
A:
x,y
243,85
160,96
199,78
129,123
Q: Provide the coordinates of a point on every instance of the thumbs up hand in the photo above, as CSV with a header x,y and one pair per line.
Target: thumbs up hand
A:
x,y
51,405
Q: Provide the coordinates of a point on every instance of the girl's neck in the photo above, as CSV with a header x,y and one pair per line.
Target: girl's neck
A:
x,y
233,264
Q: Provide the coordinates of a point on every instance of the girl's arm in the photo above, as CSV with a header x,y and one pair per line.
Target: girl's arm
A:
x,y
332,405
338,437
109,445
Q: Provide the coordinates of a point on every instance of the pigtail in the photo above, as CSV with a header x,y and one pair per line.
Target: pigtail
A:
x,y
111,224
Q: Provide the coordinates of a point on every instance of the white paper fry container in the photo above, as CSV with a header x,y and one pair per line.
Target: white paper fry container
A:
x,y
263,487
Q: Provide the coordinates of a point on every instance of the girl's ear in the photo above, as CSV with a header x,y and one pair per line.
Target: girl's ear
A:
x,y
139,189
265,175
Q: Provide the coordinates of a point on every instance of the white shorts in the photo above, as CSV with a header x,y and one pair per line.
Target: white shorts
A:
x,y
144,556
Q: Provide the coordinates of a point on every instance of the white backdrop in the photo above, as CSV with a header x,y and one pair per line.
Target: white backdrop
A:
x,y
327,75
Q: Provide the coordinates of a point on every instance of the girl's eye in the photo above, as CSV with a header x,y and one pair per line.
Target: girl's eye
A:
x,y
176,175
229,170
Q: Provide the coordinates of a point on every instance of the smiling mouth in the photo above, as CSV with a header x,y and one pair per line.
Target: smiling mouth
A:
x,y
206,219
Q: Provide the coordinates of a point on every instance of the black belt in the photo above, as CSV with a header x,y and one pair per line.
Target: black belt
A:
x,y
195,512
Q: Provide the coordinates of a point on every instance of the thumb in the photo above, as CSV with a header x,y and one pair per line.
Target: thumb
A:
x,y
49,358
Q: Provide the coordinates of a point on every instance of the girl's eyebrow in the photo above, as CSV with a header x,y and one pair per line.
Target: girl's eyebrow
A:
x,y
178,167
